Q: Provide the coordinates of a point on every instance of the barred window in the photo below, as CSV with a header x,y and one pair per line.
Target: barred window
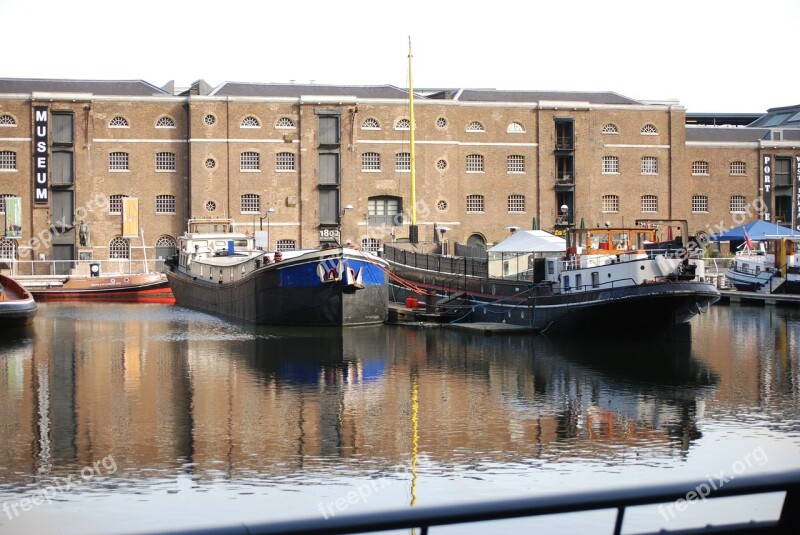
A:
x,y
610,128
649,129
475,126
119,248
286,245
371,245
209,120
210,163
118,161
441,122
8,160
370,123
284,122
649,165
700,167
738,204
649,204
3,201
250,203
165,122
610,164
402,161
610,203
403,124
441,205
165,161
370,161
474,203
441,164
515,128
7,120
118,122
515,163
474,163
8,248
699,204
250,122
249,161
165,204
738,168
516,203
284,161
211,206
115,204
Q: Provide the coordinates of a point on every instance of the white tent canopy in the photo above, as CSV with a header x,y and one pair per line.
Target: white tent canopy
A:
x,y
530,241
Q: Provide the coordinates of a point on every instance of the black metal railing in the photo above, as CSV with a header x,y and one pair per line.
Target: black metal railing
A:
x,y
453,265
667,494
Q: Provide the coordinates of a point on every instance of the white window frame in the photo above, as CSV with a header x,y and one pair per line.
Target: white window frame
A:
x,y
371,245
738,168
249,162
516,204
402,162
403,124
370,123
700,168
8,161
515,127
738,204
475,204
610,165
475,163
649,204
7,121
285,162
371,162
250,203
699,204
166,162
649,165
515,164
285,123
475,127
115,203
286,245
165,204
610,204
118,162
165,122
250,121
118,121
610,128
649,130
119,248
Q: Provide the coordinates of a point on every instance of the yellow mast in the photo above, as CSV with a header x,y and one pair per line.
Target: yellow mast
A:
x,y
413,157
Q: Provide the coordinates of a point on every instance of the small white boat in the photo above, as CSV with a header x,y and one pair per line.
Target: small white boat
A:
x,y
17,307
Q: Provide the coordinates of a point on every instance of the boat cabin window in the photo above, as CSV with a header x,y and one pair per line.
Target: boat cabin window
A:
x,y
566,282
595,279
579,281
551,267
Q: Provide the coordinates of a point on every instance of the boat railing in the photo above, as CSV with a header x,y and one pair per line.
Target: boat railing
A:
x,y
454,265
83,268
663,501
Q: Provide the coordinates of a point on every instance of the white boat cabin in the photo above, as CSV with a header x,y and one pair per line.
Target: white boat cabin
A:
x,y
211,250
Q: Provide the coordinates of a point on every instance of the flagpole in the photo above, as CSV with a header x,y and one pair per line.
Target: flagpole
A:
x,y
413,231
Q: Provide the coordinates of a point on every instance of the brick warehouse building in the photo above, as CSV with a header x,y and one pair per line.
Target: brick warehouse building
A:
x,y
310,161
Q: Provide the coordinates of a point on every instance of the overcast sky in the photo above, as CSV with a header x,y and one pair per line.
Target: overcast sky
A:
x,y
712,56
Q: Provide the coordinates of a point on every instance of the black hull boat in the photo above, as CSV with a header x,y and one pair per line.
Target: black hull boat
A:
x,y
223,274
17,307
635,290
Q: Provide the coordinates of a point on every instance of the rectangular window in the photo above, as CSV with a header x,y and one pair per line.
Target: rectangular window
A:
x,y
328,130
115,204
649,204
328,168
286,245
610,164
783,170
371,245
165,161
595,279
515,163
62,167
165,204
738,204
62,210
63,131
649,165
329,206
738,168
118,161
402,161
565,134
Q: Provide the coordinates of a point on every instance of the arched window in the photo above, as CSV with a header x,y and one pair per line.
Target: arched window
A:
x,y
516,204
474,203
7,120
477,240
165,161
515,163
371,161
8,249
118,122
738,169
649,204
284,161
474,163
119,248
117,161
515,128
284,122
649,130
610,128
165,122
610,204
700,167
250,203
475,126
403,124
250,122
370,123
371,245
249,161
8,160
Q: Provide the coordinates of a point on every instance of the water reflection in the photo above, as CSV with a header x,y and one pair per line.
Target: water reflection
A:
x,y
170,392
